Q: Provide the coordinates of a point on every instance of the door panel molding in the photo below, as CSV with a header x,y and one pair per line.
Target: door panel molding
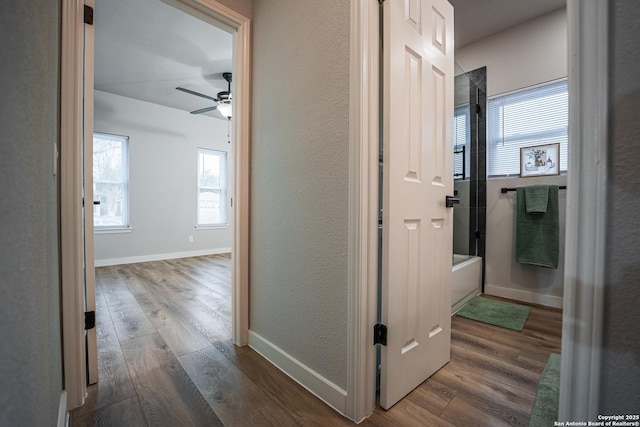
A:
x,y
418,76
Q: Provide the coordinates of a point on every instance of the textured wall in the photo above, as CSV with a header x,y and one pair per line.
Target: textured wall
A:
x,y
30,360
620,379
299,180
243,7
163,150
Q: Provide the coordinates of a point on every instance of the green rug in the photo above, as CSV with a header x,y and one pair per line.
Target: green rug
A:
x,y
545,406
498,313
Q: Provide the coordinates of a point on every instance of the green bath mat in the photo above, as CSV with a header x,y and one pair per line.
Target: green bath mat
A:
x,y
545,406
498,313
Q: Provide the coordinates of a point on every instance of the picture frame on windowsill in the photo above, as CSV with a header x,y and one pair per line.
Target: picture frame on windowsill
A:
x,y
540,160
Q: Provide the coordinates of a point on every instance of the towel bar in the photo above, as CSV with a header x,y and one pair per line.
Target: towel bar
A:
x,y
505,189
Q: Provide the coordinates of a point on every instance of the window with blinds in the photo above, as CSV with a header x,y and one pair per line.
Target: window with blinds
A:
x,y
462,142
535,116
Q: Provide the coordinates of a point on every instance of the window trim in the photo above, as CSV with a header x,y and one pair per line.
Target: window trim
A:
x,y
222,190
125,227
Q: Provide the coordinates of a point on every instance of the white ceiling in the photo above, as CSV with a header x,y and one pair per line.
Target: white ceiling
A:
x,y
144,49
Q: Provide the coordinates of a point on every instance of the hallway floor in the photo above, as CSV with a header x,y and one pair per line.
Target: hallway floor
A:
x,y
166,359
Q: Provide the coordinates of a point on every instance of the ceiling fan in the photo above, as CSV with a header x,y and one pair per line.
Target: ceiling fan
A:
x,y
223,99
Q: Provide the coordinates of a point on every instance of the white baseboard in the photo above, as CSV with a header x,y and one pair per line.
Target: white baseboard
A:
x,y
63,413
324,389
525,296
160,257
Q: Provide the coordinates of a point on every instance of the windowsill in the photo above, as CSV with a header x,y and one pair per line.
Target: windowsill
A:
x,y
112,230
514,176
211,227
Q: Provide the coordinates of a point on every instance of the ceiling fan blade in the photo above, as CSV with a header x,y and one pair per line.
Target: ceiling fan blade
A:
x,y
196,93
204,110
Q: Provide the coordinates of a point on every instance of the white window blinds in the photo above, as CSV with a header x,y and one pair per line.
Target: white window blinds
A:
x,y
462,143
530,117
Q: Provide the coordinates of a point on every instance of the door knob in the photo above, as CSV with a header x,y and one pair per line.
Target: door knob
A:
x,y
450,201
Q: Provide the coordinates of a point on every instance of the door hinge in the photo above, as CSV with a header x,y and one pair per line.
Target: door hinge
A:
x,y
88,15
379,334
89,320
478,109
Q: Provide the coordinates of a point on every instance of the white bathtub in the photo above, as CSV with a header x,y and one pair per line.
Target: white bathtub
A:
x,y
466,280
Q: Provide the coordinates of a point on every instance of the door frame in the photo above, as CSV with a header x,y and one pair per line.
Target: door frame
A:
x,y
584,268
584,275
71,110
364,137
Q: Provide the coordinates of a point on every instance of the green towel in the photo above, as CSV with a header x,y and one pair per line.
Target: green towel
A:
x,y
536,198
538,234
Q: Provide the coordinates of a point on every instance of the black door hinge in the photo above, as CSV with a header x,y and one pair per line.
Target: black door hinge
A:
x,y
478,109
379,334
88,15
89,320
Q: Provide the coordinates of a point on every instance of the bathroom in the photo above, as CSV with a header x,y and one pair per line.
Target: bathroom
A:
x,y
530,55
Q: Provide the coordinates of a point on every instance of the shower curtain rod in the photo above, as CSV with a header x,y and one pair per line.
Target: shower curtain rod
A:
x,y
505,189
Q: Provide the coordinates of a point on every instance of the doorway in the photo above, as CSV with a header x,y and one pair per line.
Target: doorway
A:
x,y
162,177
71,187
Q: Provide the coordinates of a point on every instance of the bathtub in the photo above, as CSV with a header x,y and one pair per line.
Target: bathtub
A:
x,y
466,280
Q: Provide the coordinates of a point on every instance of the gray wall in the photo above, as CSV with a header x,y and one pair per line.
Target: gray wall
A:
x,y
620,383
503,275
30,368
526,55
163,153
243,7
299,181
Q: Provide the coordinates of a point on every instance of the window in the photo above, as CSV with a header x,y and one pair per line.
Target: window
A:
x,y
535,116
110,181
462,143
212,183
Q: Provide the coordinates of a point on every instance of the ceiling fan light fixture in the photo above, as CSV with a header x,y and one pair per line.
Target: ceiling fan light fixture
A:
x,y
225,110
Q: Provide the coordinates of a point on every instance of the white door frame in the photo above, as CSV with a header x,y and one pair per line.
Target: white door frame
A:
x,y
71,101
586,210
71,266
363,207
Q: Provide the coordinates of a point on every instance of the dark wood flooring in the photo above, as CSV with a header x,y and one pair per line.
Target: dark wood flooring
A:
x,y
166,359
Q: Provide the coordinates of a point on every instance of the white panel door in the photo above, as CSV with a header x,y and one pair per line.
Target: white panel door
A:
x,y
418,75
87,188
